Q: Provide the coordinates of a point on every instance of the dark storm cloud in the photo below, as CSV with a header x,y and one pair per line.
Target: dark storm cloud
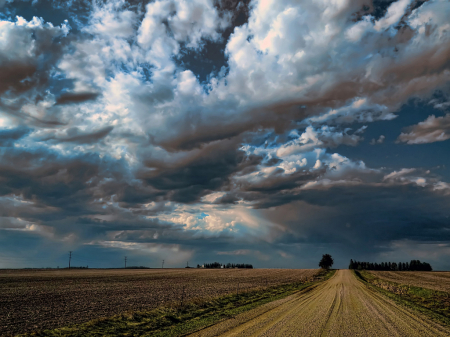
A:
x,y
227,198
126,227
205,170
8,136
360,220
75,135
66,184
133,195
363,220
277,181
19,77
196,129
81,97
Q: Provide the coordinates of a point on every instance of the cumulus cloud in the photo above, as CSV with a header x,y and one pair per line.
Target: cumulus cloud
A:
x,y
112,21
188,22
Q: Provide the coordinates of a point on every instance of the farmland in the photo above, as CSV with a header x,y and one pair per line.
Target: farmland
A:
x,y
341,306
431,280
33,300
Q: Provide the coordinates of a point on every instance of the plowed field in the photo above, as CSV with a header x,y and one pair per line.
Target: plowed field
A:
x,y
424,279
36,300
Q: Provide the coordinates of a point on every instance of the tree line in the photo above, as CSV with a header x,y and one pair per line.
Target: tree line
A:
x,y
414,265
228,265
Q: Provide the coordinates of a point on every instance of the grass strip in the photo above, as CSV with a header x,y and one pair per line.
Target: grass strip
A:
x,y
179,320
432,303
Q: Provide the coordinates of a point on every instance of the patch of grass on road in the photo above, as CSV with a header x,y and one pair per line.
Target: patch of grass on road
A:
x,y
433,303
179,320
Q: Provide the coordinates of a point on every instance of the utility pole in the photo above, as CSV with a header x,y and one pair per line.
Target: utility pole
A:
x,y
163,264
125,261
70,257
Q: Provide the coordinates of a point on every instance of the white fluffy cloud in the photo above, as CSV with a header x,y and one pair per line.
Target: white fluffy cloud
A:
x,y
393,15
186,21
279,60
110,20
284,53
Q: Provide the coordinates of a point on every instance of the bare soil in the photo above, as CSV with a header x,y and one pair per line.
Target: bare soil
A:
x,y
32,300
341,306
424,279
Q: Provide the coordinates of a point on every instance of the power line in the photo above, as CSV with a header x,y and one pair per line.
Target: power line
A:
x,y
70,257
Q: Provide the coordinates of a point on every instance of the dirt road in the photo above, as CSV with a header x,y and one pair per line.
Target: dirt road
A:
x,y
341,306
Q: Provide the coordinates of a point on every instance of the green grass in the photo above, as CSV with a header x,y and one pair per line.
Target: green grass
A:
x,y
180,320
434,304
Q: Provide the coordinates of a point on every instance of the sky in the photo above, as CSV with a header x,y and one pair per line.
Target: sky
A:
x,y
267,132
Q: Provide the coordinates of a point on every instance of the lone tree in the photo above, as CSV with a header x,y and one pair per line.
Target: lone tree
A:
x,y
326,262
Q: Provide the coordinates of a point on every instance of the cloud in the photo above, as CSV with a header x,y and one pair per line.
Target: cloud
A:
x,y
173,254
326,137
28,52
261,90
244,252
75,135
380,140
197,172
112,21
76,97
398,174
393,15
432,252
9,136
433,129
188,22
109,140
24,44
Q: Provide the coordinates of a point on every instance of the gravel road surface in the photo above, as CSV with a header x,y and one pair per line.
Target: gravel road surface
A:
x,y
341,306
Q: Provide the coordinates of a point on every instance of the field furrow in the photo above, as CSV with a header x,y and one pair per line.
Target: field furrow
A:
x,y
36,300
431,280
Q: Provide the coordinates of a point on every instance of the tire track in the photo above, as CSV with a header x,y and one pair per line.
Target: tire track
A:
x,y
341,306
